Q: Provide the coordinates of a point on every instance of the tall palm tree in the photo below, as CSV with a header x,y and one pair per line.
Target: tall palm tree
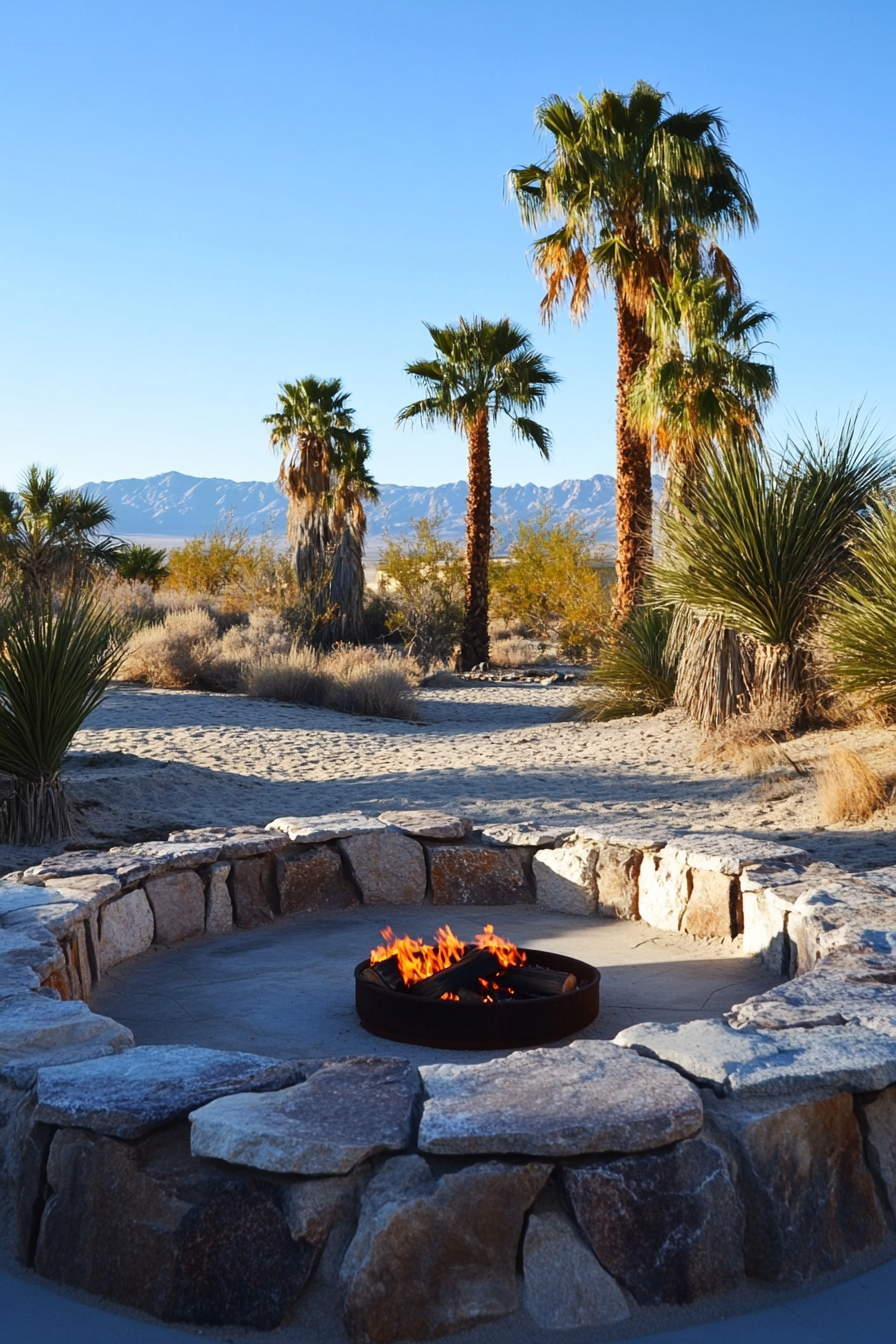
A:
x,y
315,432
353,484
637,190
50,537
705,380
481,370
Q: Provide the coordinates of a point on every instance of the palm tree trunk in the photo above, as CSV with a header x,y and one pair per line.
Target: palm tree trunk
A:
x,y
634,495
474,639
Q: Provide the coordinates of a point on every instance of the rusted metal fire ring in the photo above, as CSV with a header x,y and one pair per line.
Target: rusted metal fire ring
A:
x,y
488,1026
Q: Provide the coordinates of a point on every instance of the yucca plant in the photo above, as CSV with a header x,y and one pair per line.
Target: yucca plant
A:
x,y
55,664
636,670
755,542
860,626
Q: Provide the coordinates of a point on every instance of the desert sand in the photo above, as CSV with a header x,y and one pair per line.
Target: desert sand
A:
x,y
149,761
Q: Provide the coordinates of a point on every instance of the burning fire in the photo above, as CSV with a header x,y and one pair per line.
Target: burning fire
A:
x,y
418,960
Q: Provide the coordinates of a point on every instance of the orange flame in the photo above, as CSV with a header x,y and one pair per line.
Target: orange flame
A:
x,y
418,960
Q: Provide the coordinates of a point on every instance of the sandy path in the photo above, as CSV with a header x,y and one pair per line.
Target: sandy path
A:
x,y
148,761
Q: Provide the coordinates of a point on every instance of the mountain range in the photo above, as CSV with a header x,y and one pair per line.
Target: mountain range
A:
x,y
174,505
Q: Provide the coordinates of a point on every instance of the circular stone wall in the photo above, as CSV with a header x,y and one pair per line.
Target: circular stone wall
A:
x,y
219,1187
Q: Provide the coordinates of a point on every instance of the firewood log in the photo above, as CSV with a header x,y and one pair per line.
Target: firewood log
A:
x,y
537,980
473,966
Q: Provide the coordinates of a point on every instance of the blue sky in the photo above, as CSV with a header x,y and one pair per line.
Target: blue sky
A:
x,y
203,198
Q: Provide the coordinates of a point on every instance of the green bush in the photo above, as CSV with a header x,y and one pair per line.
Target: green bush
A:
x,y
636,670
422,583
55,664
860,626
552,588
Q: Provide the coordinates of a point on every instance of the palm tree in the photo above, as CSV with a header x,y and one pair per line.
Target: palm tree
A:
x,y
752,546
315,432
481,370
353,484
637,190
50,536
704,381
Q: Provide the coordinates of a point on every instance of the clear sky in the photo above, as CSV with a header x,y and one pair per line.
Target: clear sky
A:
x,y
204,198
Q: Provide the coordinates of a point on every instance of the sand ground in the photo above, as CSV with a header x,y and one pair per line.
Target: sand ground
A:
x,y
149,761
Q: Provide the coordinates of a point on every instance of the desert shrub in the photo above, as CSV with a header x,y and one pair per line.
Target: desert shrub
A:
x,y
860,628
513,650
365,681
551,587
130,600
175,654
849,789
295,675
55,663
372,681
636,670
237,571
422,578
186,651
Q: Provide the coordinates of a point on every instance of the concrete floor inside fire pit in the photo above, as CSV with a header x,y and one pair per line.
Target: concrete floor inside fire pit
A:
x,y
287,989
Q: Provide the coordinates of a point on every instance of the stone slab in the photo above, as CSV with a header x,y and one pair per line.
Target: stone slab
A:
x,y
663,890
526,835
428,825
565,1287
587,1097
126,928
616,880
314,880
218,905
128,864
879,1127
712,910
667,1225
177,901
750,1063
57,919
808,1196
130,1094
252,891
347,1111
234,842
729,851
824,997
477,875
331,826
564,878
36,1030
28,955
435,1256
388,867
630,833
144,1224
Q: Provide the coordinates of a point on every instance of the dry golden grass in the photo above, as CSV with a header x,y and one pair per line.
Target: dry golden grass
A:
x,y
849,789
372,682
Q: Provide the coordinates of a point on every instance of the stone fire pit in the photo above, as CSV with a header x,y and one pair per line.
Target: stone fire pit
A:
x,y
580,1183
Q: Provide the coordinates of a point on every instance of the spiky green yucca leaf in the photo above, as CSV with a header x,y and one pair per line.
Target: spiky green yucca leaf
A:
x,y
54,668
860,627
636,670
755,542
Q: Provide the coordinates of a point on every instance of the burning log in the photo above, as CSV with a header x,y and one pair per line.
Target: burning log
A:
x,y
387,972
537,980
463,974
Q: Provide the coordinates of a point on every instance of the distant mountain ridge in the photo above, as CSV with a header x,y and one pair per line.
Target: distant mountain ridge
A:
x,y
172,504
